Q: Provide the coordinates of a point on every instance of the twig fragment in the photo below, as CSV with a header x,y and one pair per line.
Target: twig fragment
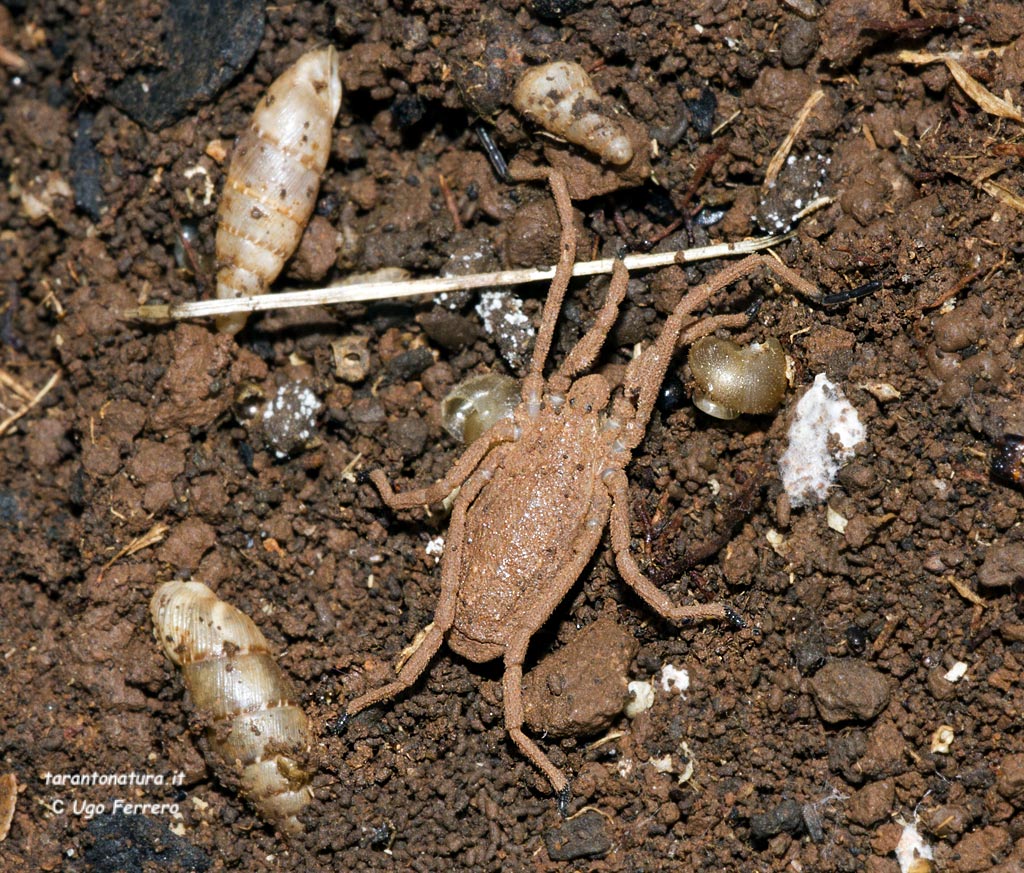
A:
x,y
1003,195
988,101
8,381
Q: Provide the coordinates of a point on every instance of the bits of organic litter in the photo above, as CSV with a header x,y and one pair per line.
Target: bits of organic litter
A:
x,y
798,184
822,438
503,319
942,739
641,698
912,850
435,548
674,679
836,521
956,672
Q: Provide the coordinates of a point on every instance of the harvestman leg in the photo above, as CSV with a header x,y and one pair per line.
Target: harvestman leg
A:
x,y
590,344
444,615
657,599
515,651
502,432
646,372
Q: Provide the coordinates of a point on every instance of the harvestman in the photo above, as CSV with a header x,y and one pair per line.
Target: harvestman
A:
x,y
539,489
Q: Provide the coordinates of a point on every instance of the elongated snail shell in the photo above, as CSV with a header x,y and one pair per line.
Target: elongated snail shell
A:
x,y
732,380
474,406
257,732
561,98
273,178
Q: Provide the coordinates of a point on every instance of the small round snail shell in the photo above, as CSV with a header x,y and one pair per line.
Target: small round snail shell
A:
x,y
733,380
561,98
273,178
258,735
476,405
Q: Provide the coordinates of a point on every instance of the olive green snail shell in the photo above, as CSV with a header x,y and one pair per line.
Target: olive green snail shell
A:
x,y
474,406
732,380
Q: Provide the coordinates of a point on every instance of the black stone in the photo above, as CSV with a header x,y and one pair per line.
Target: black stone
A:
x,y
580,837
205,45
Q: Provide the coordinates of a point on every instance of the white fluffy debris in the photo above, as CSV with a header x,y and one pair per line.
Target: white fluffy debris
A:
x,y
825,431
911,849
435,548
674,679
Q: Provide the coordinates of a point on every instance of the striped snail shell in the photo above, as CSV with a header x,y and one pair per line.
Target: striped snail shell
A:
x,y
274,177
257,734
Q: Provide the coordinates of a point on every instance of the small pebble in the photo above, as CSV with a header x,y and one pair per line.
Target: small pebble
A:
x,y
579,689
408,365
581,837
1003,566
288,420
872,803
787,817
810,652
847,689
205,45
1010,778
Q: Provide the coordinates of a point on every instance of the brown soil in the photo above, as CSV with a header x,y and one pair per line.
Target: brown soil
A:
x,y
810,731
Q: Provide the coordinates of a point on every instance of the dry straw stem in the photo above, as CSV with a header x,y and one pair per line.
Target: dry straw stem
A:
x,y
1003,195
779,158
5,425
335,294
971,87
153,536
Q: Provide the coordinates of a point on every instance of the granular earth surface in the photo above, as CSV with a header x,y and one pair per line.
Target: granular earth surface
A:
x,y
835,723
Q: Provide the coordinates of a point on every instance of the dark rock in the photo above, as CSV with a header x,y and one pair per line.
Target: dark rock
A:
x,y
130,842
810,652
85,170
798,42
556,10
205,46
448,329
787,817
702,113
410,364
408,111
580,837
